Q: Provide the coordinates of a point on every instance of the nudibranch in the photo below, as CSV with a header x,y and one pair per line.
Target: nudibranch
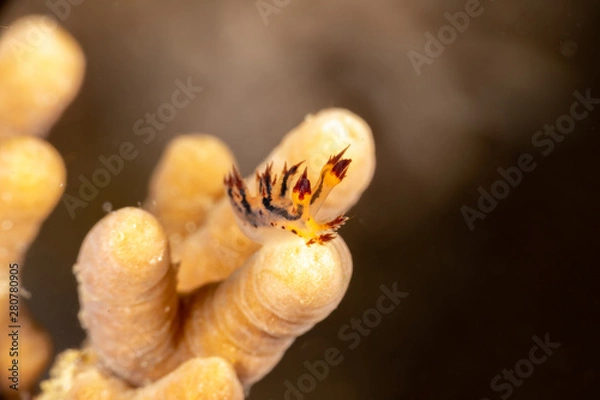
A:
x,y
275,209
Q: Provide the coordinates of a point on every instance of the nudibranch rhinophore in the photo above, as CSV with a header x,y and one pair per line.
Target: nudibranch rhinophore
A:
x,y
276,208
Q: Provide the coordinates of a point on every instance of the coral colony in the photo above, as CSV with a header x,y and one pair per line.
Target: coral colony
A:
x,y
191,296
41,71
191,339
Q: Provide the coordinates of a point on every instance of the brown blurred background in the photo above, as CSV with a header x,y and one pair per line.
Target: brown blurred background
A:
x,y
476,297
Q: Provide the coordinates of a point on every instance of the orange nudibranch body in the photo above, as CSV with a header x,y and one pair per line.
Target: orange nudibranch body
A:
x,y
276,208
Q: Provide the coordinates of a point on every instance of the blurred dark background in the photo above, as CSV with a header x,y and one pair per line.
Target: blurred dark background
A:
x,y
476,296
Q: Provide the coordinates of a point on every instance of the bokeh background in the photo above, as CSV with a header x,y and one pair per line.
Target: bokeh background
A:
x,y
476,296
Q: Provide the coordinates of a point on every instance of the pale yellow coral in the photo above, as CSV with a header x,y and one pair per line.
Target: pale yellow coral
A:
x,y
127,290
219,247
192,168
77,375
41,69
32,177
144,333
251,318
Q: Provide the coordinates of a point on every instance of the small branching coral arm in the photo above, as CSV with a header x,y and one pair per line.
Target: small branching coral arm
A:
x,y
275,206
41,71
31,178
192,167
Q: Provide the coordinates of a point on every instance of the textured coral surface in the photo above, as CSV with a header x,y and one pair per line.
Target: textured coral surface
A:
x,y
177,302
181,302
41,69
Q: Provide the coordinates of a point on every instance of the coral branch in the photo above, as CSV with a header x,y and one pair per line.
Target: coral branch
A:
x,y
186,184
218,248
254,316
32,177
325,134
214,251
127,295
41,70
77,376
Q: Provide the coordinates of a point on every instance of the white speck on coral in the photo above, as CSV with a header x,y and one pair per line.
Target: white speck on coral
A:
x,y
107,206
335,126
7,225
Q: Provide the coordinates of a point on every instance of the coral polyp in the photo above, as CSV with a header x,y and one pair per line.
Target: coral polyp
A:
x,y
277,206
